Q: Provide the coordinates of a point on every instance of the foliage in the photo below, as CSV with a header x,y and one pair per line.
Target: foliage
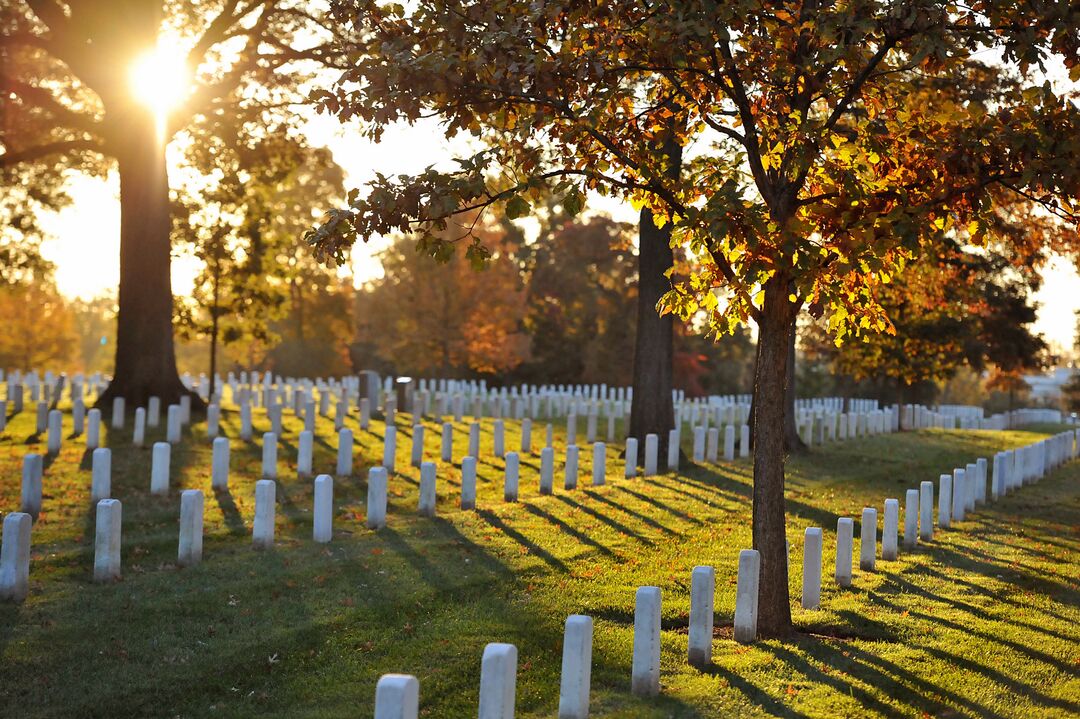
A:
x,y
39,331
424,319
829,163
241,218
961,307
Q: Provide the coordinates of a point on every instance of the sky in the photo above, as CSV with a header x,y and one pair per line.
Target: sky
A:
x,y
85,237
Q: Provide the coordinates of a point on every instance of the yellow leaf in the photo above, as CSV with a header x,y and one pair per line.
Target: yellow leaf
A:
x,y
874,158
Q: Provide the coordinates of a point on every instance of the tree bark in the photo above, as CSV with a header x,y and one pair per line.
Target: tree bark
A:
x,y
770,407
651,409
145,357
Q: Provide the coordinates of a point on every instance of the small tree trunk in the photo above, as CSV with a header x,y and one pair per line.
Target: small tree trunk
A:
x,y
770,408
651,409
145,357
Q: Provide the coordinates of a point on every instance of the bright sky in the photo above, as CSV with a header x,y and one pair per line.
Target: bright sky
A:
x,y
85,237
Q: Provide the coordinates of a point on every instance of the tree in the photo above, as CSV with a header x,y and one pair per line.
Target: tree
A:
x,y
68,104
958,308
39,331
453,321
580,280
243,225
824,167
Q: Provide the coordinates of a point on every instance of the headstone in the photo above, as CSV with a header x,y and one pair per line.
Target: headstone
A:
x,y
213,421
631,457
93,429
526,436
474,440
376,498
510,487
107,541
397,696
702,591
811,577
269,456
426,505
185,409
262,531
56,427
304,451
980,485
652,448
100,474
365,413
15,557
645,666
159,468
845,540
118,413
576,668
447,444
139,435
868,539
971,479
172,424
746,597
246,429
911,519
468,482
944,518
889,529
42,419
30,497
599,463
219,472
78,417
699,444
498,679
344,453
191,528
729,443
673,451
744,440
959,494
390,449
926,510
712,445
323,519
547,470
417,444
571,469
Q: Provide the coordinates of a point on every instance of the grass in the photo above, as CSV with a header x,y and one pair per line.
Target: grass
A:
x,y
983,621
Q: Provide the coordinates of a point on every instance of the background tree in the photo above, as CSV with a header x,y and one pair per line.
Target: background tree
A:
x,y
424,319
825,169
67,101
955,309
243,225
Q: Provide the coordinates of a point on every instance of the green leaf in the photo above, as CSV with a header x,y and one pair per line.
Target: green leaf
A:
x,y
517,207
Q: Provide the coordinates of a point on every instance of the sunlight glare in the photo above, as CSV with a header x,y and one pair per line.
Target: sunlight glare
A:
x,y
160,79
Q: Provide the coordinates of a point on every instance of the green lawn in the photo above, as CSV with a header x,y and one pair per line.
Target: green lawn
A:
x,y
984,621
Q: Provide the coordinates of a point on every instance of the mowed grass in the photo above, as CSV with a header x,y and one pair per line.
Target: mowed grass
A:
x,y
983,621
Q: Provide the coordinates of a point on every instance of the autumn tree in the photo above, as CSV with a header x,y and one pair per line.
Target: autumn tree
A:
x,y
960,307
240,217
68,104
821,167
424,319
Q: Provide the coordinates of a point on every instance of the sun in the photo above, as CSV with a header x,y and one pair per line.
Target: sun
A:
x,y
160,79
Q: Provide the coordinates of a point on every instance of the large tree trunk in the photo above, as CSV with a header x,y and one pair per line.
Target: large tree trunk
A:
x,y
145,359
651,410
770,408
